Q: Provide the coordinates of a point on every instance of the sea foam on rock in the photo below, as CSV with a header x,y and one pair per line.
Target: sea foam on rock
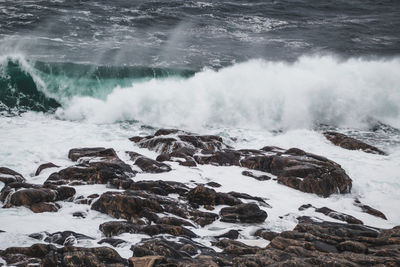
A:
x,y
294,167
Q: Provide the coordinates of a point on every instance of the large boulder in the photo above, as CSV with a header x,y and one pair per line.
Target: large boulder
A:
x,y
350,143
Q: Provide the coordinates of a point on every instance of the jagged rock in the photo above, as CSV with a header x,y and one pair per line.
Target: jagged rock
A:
x,y
294,167
245,213
49,255
174,221
161,187
35,197
231,234
236,248
9,176
370,210
350,143
45,166
202,195
147,164
267,235
257,177
101,152
338,215
114,173
115,242
113,228
127,205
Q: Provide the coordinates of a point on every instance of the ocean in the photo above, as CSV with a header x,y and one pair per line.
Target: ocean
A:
x,y
257,73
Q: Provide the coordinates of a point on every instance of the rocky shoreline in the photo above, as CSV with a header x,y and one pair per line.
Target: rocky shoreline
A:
x,y
167,213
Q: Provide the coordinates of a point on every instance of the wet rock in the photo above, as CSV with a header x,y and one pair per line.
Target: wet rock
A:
x,y
101,152
267,235
114,173
350,143
338,215
127,205
113,228
36,197
49,255
147,164
79,214
257,177
9,176
370,210
305,206
202,195
115,242
161,187
243,213
236,248
174,221
66,238
213,184
246,196
45,166
231,234
44,207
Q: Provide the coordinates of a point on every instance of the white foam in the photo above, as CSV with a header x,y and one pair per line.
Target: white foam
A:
x,y
257,94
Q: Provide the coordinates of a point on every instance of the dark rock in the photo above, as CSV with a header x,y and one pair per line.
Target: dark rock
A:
x,y
115,242
9,176
45,166
127,205
305,206
114,173
36,197
353,246
231,234
49,255
350,143
206,196
370,210
161,187
66,238
338,215
267,235
101,152
245,213
257,177
246,196
79,214
213,184
236,248
147,164
174,221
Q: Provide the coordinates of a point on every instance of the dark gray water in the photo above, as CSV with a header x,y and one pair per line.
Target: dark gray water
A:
x,y
194,34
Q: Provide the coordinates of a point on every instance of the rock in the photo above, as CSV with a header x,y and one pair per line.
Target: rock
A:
x,y
9,176
353,246
293,167
147,164
174,221
257,177
231,234
113,228
243,213
127,205
115,242
305,206
66,238
236,248
206,196
45,166
161,187
44,207
370,210
37,198
79,214
350,143
115,173
338,215
213,184
49,255
101,152
267,235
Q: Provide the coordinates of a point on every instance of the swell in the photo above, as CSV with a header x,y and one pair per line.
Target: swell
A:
x,y
258,94
43,86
